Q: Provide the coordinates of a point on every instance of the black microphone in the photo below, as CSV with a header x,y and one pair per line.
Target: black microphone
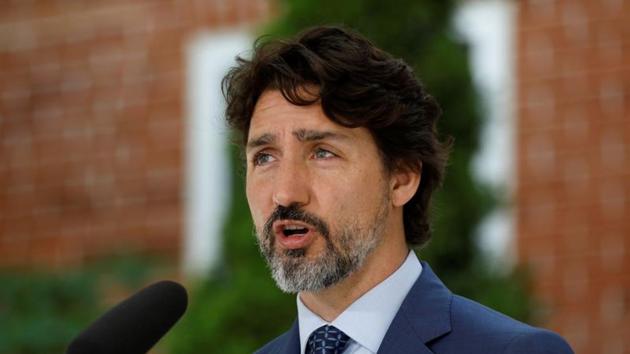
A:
x,y
136,324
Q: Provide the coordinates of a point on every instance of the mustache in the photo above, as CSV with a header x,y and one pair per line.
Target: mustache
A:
x,y
294,212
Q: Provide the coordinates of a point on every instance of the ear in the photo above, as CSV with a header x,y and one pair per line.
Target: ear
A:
x,y
404,184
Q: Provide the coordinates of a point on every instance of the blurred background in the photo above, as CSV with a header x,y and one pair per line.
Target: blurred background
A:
x,y
116,168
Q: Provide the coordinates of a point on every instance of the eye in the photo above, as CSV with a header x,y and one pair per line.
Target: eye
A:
x,y
262,158
323,154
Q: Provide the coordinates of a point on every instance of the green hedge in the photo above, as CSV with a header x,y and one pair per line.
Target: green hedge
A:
x,y
40,312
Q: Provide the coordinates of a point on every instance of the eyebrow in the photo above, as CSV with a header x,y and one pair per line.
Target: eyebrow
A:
x,y
314,135
264,139
300,134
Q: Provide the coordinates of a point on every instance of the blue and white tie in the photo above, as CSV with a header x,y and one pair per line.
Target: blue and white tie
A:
x,y
327,340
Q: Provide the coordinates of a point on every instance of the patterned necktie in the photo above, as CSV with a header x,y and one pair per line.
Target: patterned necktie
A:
x,y
327,340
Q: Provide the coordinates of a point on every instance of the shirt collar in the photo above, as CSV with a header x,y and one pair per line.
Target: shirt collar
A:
x,y
367,319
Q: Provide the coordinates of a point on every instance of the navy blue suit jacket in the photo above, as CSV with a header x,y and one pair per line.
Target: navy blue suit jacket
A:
x,y
432,320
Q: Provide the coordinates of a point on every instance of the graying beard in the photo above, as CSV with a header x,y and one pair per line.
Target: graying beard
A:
x,y
293,273
296,274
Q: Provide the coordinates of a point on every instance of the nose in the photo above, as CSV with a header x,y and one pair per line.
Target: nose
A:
x,y
291,185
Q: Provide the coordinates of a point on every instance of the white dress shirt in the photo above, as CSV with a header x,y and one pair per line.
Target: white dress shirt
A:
x,y
367,319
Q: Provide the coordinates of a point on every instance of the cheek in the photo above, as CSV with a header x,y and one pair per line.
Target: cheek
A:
x,y
350,196
255,200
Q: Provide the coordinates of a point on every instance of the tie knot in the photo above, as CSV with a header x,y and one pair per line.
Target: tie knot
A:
x,y
327,340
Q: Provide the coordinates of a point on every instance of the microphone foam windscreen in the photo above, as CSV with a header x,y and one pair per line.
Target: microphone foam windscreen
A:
x,y
136,324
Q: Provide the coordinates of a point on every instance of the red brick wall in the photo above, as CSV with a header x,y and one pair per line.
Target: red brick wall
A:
x,y
91,124
573,135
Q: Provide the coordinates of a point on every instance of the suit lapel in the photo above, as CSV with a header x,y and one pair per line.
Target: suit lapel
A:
x,y
291,344
424,315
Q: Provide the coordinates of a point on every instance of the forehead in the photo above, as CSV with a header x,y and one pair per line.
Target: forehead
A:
x,y
274,115
272,108
277,122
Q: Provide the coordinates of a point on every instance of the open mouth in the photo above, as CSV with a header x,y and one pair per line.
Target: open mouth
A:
x,y
294,230
292,234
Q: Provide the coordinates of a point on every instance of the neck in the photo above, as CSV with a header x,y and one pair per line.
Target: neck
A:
x,y
380,264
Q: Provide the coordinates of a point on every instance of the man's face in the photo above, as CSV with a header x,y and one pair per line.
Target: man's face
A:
x,y
318,193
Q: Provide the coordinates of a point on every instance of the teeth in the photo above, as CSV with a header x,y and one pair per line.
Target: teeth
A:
x,y
293,227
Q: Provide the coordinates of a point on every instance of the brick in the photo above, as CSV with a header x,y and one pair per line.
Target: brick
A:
x,y
586,79
538,12
613,251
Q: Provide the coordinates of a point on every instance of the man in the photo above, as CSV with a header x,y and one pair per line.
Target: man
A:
x,y
342,159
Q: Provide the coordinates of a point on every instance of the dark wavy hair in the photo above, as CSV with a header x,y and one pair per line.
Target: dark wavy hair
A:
x,y
357,85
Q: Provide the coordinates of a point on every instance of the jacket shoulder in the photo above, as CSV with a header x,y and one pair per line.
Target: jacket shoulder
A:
x,y
538,342
483,330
